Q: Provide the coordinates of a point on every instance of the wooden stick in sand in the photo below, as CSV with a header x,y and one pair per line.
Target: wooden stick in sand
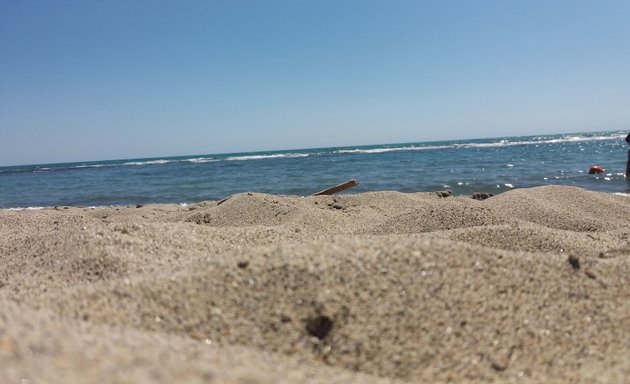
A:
x,y
337,188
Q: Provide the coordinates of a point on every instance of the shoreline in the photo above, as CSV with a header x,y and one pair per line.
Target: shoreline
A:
x,y
463,166
187,204
529,285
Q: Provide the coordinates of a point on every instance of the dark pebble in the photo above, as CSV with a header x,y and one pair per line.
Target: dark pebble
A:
x,y
574,261
481,195
319,326
444,193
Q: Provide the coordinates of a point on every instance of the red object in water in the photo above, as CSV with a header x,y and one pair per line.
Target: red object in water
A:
x,y
596,169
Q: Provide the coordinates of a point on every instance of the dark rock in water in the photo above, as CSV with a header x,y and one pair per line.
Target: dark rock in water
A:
x,y
447,193
481,195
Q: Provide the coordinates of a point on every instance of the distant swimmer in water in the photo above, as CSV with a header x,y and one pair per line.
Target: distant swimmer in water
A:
x,y
628,163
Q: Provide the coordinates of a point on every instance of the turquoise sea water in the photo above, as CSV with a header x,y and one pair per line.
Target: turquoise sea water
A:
x,y
463,166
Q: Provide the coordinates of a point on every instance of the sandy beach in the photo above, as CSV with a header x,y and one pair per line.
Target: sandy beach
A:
x,y
531,285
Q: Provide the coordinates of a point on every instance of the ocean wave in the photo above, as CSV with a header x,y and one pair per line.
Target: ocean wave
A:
x,y
80,167
392,149
202,160
572,139
53,169
107,165
149,162
490,144
507,143
26,209
170,161
273,156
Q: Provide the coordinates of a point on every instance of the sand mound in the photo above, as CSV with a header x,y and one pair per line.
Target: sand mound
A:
x,y
568,208
533,238
521,287
248,209
314,214
434,215
369,213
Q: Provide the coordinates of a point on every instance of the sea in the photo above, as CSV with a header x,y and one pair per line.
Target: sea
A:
x,y
492,165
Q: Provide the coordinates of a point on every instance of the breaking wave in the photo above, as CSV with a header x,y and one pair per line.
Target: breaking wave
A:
x,y
270,156
490,144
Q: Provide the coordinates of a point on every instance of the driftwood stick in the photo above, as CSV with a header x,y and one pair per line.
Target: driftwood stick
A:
x,y
223,200
337,188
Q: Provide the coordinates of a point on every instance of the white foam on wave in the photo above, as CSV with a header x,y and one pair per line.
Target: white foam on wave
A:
x,y
566,139
574,139
392,149
493,144
202,160
88,166
260,157
149,162
26,209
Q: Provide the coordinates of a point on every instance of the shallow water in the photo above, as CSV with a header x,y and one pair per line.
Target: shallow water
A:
x,y
463,166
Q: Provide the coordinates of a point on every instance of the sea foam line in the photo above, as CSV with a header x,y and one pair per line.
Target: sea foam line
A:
x,y
165,161
274,156
84,166
25,209
201,160
496,144
149,162
392,149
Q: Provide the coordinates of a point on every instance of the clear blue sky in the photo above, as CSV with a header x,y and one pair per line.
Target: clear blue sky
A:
x,y
90,80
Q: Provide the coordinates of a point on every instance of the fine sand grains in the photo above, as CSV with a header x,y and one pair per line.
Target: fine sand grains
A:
x,y
528,286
